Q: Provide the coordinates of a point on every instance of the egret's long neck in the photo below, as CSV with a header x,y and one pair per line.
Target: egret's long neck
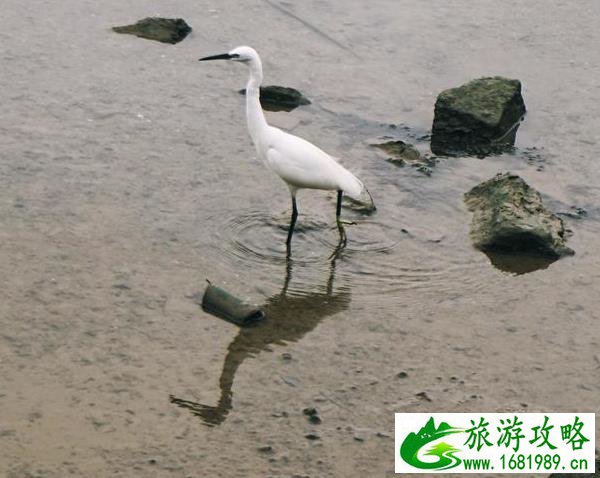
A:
x,y
254,113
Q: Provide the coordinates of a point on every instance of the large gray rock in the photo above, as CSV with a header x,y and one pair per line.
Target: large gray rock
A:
x,y
165,30
480,117
509,217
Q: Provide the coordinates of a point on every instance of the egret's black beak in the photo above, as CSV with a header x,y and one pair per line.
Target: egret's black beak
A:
x,y
223,56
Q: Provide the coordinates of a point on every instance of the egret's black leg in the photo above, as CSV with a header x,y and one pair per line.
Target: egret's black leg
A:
x,y
288,243
338,209
338,212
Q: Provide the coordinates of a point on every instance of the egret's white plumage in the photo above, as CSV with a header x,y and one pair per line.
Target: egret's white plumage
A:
x,y
299,163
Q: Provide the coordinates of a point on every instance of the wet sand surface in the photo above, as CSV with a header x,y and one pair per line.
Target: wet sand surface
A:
x,y
128,178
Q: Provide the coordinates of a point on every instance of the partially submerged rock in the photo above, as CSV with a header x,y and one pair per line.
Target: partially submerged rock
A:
x,y
400,150
480,117
509,217
401,153
280,98
165,30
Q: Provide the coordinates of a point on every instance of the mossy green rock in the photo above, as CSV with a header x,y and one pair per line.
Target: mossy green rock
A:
x,y
165,30
509,217
280,98
480,117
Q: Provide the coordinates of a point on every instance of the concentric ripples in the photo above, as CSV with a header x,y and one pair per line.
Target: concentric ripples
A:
x,y
380,258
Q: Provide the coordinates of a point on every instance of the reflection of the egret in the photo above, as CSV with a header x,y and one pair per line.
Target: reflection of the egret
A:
x,y
288,318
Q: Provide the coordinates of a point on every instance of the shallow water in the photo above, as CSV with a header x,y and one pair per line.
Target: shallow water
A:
x,y
127,178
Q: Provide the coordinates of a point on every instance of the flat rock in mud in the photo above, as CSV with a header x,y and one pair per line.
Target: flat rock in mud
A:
x,y
400,150
280,98
401,153
509,217
480,117
165,30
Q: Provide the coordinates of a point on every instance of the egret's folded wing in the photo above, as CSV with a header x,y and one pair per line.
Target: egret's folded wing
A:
x,y
302,171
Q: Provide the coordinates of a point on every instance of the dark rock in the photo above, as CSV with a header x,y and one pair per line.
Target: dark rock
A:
x,y
313,415
401,374
423,396
509,217
312,436
280,98
480,117
265,449
314,419
165,30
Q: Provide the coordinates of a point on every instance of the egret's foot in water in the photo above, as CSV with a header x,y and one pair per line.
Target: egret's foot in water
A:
x,y
341,243
342,231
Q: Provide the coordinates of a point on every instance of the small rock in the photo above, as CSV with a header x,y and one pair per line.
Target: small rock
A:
x,y
401,375
358,438
265,449
480,117
400,151
312,436
280,98
313,415
314,419
423,396
165,30
509,217
286,356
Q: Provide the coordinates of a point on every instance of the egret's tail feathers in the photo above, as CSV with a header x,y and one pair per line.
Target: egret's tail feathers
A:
x,y
356,190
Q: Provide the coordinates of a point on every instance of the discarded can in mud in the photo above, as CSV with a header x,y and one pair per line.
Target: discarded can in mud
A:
x,y
222,304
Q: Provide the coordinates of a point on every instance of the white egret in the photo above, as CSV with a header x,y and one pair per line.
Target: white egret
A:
x,y
299,163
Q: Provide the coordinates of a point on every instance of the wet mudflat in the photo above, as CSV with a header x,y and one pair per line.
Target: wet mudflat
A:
x,y
127,178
